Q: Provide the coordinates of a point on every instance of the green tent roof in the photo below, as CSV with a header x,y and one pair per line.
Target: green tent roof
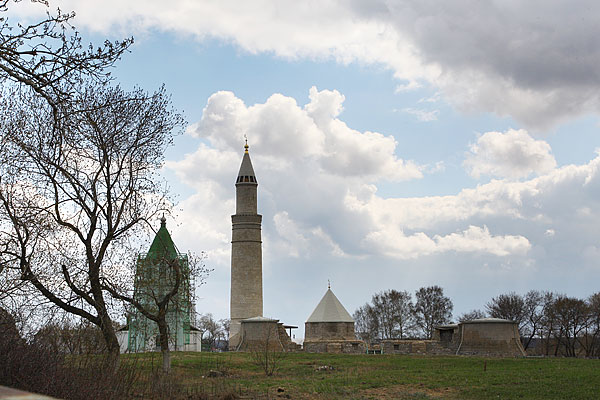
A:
x,y
162,245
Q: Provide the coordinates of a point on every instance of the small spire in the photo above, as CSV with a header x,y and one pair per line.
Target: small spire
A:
x,y
246,145
328,284
163,221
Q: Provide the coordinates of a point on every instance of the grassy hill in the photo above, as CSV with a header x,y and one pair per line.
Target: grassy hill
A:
x,y
328,376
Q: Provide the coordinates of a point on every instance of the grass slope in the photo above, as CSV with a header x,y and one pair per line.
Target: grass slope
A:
x,y
330,376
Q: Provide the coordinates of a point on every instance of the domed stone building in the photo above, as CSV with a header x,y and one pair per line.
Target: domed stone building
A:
x,y
483,337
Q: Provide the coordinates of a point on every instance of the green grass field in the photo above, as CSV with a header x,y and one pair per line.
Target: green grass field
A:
x,y
328,376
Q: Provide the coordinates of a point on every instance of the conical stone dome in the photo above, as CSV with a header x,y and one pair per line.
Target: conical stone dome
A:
x,y
330,309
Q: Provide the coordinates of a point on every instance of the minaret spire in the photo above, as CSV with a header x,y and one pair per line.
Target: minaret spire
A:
x,y
246,251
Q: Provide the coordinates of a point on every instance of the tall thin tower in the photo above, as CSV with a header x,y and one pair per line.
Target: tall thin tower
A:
x,y
246,252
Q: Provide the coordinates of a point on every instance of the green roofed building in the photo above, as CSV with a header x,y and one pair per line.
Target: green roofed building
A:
x,y
154,277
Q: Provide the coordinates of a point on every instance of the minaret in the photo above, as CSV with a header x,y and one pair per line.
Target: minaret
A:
x,y
246,252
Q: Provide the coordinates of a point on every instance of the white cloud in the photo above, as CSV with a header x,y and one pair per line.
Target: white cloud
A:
x,y
289,134
422,115
394,243
477,239
513,154
318,177
323,217
535,63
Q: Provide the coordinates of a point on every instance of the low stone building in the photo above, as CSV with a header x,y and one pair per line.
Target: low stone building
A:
x,y
330,328
480,337
262,333
488,336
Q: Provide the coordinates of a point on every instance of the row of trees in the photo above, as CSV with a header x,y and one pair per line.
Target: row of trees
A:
x,y
69,337
393,314
78,175
561,324
556,323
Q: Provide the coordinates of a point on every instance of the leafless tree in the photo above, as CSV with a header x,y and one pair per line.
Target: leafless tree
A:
x,y
571,314
549,330
394,311
366,323
591,339
225,323
211,329
471,315
74,195
47,56
509,306
432,308
533,315
268,352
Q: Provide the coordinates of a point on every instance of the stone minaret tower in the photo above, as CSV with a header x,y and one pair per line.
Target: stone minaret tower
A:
x,y
246,252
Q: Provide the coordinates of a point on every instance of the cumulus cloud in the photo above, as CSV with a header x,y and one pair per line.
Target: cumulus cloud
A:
x,y
323,216
536,62
313,134
474,239
513,154
318,188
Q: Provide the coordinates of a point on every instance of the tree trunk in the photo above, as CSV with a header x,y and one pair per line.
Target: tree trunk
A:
x,y
112,344
163,329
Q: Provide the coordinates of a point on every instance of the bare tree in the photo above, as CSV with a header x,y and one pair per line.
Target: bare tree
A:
x,y
471,315
366,323
509,306
394,311
74,195
268,352
591,340
47,56
225,324
571,314
549,325
211,329
432,308
533,315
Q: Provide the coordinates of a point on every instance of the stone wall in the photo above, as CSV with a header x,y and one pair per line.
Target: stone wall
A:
x,y
329,331
335,346
392,346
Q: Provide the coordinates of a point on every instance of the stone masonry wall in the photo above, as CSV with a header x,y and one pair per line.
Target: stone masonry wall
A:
x,y
335,346
414,347
329,331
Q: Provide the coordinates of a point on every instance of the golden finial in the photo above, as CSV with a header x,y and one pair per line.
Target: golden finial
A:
x,y
246,145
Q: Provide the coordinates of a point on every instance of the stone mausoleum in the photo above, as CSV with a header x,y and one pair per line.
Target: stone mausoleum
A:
x,y
330,328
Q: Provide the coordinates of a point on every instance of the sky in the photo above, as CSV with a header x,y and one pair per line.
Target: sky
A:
x,y
397,144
